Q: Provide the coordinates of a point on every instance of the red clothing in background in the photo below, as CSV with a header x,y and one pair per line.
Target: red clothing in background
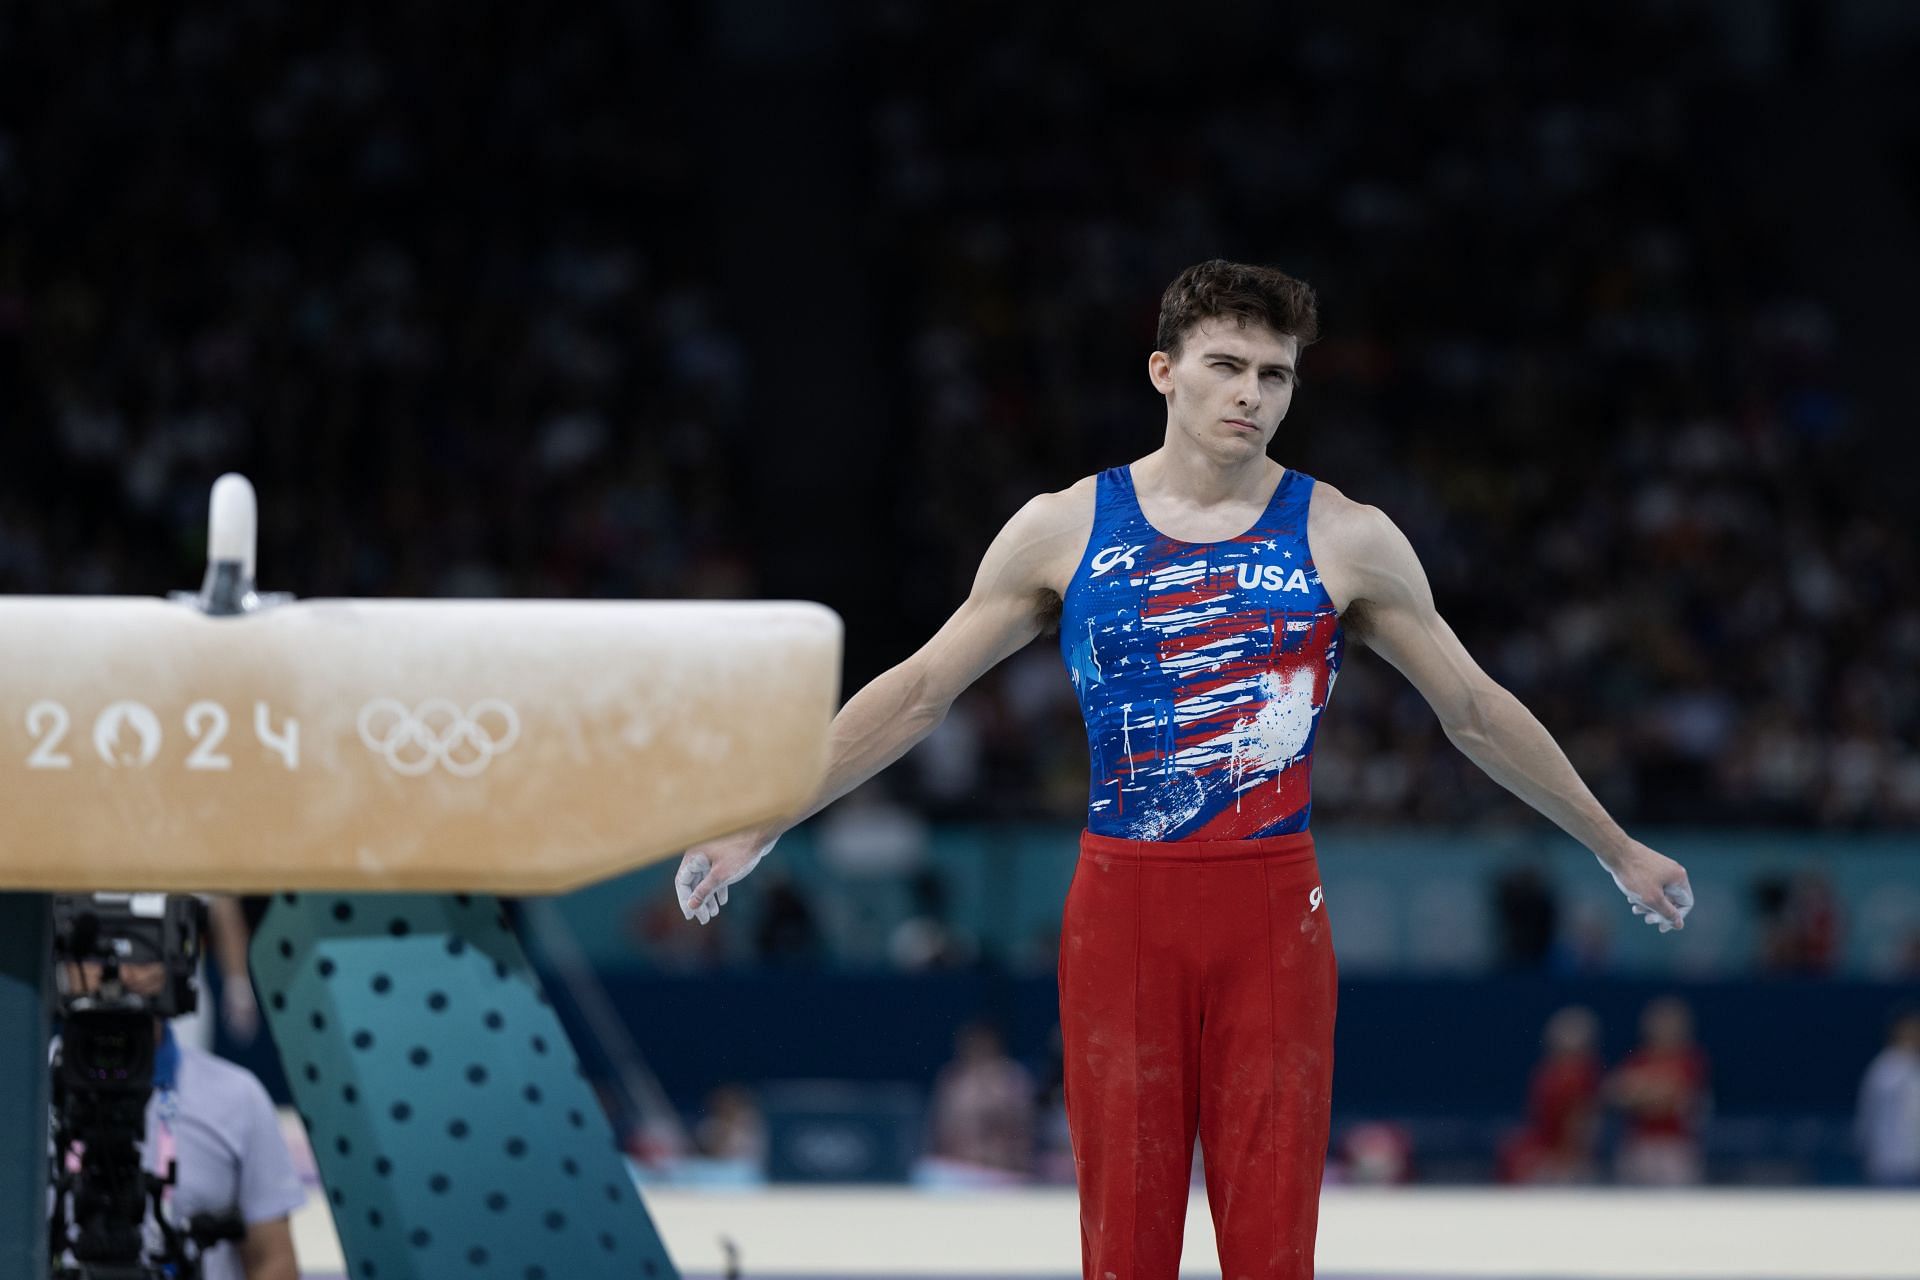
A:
x,y
1670,1088
1560,1101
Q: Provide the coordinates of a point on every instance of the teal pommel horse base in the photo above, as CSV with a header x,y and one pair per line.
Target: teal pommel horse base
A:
x,y
454,1131
382,768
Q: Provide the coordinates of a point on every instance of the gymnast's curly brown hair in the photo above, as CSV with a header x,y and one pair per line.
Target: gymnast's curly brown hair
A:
x,y
1218,289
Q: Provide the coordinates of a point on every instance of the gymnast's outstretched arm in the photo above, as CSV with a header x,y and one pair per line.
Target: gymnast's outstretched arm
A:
x,y
1390,609
1007,607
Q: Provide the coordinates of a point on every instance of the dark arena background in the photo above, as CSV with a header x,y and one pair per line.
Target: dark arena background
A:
x,y
802,301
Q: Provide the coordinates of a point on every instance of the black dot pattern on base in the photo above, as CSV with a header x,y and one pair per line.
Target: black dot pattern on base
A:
x,y
403,1037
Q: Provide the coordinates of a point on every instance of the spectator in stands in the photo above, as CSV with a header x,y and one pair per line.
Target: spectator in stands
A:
x,y
1528,917
1377,1153
1563,1106
984,1110
1661,1090
786,933
732,1128
1888,1122
1799,924
928,938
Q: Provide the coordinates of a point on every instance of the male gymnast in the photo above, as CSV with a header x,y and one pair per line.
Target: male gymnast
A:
x,y
1204,595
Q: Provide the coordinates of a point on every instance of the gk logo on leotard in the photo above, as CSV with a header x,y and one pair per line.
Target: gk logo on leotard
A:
x,y
1113,558
1314,900
438,732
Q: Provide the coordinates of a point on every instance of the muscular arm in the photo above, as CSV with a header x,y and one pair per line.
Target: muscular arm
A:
x,y
902,705
879,724
1391,610
267,1251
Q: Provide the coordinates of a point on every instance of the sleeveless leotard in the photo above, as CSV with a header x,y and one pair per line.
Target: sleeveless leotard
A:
x,y
1201,668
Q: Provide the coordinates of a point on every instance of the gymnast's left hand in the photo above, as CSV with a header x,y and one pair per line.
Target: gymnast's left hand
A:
x,y
707,869
1656,886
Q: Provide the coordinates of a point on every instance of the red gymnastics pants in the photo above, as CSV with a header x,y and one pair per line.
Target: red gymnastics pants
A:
x,y
1197,995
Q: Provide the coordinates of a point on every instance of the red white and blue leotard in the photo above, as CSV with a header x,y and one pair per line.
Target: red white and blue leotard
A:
x,y
1201,668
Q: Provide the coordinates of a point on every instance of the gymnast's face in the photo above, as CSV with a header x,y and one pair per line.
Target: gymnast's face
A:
x,y
1228,386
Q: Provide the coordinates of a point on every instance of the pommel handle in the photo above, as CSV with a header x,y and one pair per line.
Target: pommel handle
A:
x,y
232,521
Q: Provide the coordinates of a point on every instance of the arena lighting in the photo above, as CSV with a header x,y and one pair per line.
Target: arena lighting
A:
x,y
379,767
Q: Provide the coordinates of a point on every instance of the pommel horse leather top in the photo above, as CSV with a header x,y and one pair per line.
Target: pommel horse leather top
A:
x,y
494,746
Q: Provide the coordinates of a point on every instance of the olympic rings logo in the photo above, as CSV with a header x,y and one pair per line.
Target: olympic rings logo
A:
x,y
438,732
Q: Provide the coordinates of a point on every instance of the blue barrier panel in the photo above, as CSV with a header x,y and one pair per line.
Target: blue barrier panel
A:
x,y
1405,902
26,952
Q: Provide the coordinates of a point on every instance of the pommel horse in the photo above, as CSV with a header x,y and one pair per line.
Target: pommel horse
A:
x,y
380,766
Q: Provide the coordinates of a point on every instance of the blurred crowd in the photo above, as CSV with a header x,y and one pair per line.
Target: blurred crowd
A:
x,y
438,294
1642,1122
454,304
1562,352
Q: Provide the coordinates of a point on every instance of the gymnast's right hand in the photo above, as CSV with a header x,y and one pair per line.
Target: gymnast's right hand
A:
x,y
707,869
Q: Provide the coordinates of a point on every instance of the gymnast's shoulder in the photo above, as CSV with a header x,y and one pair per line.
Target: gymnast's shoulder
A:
x,y
1043,540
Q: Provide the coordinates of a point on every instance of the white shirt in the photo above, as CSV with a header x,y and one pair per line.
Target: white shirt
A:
x,y
1889,1118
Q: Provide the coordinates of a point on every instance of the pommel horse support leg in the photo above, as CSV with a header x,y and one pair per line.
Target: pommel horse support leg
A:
x,y
381,766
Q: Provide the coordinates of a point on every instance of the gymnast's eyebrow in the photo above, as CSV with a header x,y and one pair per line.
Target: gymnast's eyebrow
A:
x,y
1265,368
